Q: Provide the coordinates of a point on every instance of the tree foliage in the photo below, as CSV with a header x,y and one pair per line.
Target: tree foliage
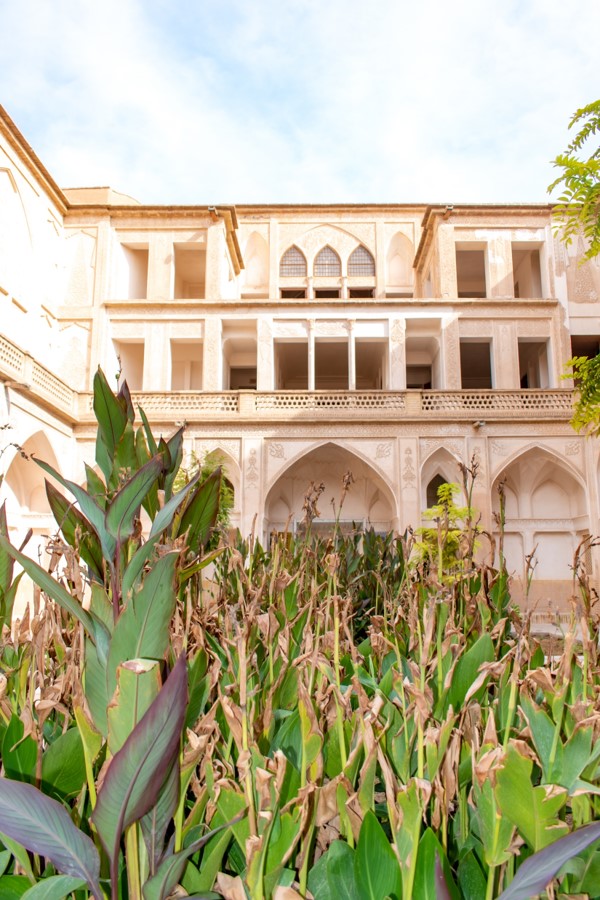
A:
x,y
578,206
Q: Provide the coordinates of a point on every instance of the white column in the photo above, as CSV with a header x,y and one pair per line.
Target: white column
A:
x,y
311,354
351,355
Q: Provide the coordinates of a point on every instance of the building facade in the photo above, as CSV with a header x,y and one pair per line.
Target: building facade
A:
x,y
301,342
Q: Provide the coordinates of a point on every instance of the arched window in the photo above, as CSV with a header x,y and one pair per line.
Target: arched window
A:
x,y
361,262
293,263
432,490
327,263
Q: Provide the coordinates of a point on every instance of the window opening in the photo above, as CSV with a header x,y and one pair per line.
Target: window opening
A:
x,y
475,365
533,364
361,262
327,263
293,264
432,490
293,293
331,365
360,292
291,365
470,273
326,293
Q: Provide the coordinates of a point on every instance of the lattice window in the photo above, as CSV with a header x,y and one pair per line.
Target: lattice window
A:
x,y
327,263
293,264
361,262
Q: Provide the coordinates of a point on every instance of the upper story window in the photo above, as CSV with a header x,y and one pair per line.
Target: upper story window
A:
x,y
293,264
327,263
361,262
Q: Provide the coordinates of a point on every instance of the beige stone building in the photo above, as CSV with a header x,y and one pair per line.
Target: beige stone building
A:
x,y
299,342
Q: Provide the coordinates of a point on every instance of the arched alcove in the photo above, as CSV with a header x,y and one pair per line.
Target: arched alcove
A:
x,y
440,467
368,502
256,262
399,259
546,515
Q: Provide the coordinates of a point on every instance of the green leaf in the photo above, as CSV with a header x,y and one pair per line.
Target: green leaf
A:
x,y
375,864
88,506
142,629
77,530
124,507
56,887
538,870
155,823
110,414
138,685
495,831
165,516
19,754
201,512
138,771
43,826
6,560
467,669
12,887
332,876
533,810
63,766
95,688
152,445
433,879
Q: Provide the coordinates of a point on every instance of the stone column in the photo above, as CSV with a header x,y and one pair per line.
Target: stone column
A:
x,y
410,489
500,268
252,501
447,262
161,267
273,258
157,357
380,260
311,354
215,261
451,354
506,357
351,355
397,355
212,367
265,370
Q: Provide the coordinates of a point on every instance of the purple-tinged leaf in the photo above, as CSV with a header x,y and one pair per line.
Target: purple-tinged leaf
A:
x,y
43,826
77,530
136,774
538,870
121,512
56,887
109,412
201,512
155,823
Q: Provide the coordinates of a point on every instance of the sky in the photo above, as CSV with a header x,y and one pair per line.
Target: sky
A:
x,y
314,101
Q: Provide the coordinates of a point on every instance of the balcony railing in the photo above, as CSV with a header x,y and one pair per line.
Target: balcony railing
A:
x,y
231,406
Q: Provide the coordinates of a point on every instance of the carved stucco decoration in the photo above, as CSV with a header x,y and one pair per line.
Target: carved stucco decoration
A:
x,y
573,448
342,239
383,450
499,448
431,444
409,475
232,448
276,449
252,477
560,256
325,328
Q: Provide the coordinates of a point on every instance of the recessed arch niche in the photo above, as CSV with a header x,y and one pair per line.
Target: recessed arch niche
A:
x,y
369,501
256,262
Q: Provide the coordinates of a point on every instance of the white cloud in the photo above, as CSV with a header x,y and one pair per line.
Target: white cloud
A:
x,y
300,100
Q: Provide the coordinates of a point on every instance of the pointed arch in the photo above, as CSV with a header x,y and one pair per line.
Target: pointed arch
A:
x,y
327,263
369,501
441,466
361,262
399,261
256,261
293,263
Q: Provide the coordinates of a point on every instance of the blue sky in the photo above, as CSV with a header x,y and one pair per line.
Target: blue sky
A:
x,y
250,101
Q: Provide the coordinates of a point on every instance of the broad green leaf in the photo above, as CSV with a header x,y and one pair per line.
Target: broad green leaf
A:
x,y
152,445
6,560
433,878
471,878
77,530
533,810
410,802
12,887
142,629
165,516
201,512
91,741
45,827
138,685
63,766
375,864
19,754
135,568
495,831
539,869
332,876
138,771
467,669
95,688
110,414
95,486
211,863
88,506
57,887
124,507
199,687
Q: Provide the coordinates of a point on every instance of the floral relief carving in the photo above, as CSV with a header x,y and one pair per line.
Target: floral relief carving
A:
x,y
409,475
277,450
252,470
573,448
383,451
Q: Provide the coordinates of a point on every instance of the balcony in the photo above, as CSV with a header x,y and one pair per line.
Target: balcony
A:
x,y
278,406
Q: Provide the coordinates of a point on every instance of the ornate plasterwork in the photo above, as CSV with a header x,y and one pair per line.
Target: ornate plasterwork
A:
x,y
573,448
499,448
383,450
252,476
328,328
231,447
409,475
431,444
276,449
343,238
